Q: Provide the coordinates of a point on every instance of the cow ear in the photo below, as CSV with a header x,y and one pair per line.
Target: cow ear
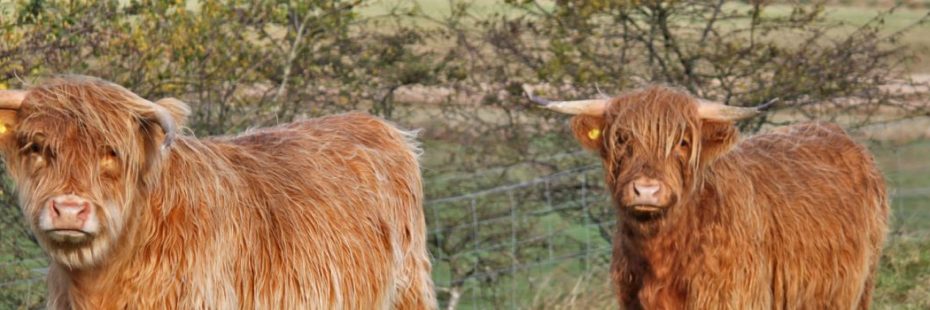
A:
x,y
589,131
8,123
717,138
10,103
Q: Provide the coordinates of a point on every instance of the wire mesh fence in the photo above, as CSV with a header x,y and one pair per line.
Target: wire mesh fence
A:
x,y
509,246
492,249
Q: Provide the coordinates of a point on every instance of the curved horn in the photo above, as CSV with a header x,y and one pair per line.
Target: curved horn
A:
x,y
11,99
721,112
586,107
167,125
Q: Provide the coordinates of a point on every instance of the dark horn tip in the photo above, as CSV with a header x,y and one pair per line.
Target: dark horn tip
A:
x,y
533,98
538,100
767,105
169,141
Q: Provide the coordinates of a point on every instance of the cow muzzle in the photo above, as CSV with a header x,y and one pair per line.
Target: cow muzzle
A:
x,y
69,219
646,195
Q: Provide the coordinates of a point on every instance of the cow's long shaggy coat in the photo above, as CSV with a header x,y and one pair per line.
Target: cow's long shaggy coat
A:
x,y
316,214
790,219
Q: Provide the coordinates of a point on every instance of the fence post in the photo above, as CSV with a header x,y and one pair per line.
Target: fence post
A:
x,y
513,250
587,221
474,219
549,227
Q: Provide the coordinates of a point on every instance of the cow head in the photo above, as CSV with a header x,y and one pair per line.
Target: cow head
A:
x,y
654,143
82,152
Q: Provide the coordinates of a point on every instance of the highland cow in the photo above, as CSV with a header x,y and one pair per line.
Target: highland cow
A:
x,y
791,219
317,214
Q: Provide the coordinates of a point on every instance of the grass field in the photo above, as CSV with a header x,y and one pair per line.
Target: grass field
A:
x,y
849,16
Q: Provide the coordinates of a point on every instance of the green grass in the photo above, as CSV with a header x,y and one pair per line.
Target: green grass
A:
x,y
904,277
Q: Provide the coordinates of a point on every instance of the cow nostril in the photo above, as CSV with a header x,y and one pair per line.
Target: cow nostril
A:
x,y
55,211
85,210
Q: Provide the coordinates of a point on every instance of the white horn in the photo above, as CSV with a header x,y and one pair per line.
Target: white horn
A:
x,y
12,99
721,112
586,107
167,125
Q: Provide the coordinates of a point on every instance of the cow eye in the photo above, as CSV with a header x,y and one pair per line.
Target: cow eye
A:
x,y
684,147
109,163
32,145
34,148
111,152
622,138
36,153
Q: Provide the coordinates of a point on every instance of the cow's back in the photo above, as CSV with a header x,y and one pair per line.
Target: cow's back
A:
x,y
330,215
823,205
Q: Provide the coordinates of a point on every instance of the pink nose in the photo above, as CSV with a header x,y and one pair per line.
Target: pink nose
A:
x,y
69,213
646,191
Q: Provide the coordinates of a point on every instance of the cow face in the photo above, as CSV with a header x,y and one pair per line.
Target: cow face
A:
x,y
654,143
80,152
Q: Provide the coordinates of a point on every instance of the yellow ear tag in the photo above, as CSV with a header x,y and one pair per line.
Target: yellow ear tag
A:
x,y
594,134
2,128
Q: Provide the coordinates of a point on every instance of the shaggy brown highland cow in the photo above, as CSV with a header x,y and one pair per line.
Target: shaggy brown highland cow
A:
x,y
316,214
791,219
